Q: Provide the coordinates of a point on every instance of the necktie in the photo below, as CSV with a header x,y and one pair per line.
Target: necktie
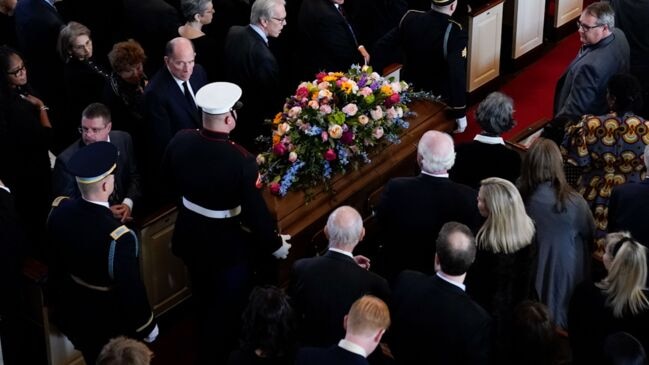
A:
x,y
351,30
188,95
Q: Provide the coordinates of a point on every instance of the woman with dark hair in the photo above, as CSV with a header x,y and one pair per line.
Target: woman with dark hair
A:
x,y
617,303
609,148
534,339
84,79
487,155
268,331
209,49
565,227
25,138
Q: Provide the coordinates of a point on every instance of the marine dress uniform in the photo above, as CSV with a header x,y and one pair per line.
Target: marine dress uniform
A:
x,y
222,217
97,292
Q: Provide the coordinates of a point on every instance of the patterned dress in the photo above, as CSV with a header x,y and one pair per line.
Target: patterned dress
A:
x,y
610,149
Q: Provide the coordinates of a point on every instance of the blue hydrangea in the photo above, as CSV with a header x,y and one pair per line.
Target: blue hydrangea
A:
x,y
327,170
289,177
313,131
343,154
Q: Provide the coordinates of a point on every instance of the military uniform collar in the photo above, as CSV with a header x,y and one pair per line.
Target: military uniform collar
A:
x,y
219,136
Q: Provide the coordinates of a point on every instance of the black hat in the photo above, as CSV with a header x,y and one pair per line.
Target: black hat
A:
x,y
93,162
442,2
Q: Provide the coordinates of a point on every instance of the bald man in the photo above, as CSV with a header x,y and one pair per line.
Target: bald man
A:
x,y
413,209
324,287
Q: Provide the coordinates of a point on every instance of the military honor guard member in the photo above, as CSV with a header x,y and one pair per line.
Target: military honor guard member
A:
x,y
222,218
97,291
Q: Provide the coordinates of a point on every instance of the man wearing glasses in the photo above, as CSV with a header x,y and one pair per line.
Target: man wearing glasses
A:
x,y
604,52
96,127
250,64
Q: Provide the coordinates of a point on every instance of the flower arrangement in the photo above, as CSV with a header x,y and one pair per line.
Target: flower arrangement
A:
x,y
330,125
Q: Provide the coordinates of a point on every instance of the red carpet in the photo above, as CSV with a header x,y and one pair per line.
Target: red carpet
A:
x,y
532,89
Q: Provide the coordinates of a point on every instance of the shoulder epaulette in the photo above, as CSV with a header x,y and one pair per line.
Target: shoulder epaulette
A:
x,y
409,12
455,22
119,232
58,201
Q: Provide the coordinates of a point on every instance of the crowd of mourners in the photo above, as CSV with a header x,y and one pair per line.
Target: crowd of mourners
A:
x,y
485,257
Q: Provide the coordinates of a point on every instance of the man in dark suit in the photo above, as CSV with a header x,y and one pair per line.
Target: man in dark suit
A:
x,y
605,52
95,127
97,291
223,221
628,206
327,38
365,324
324,287
433,317
250,64
413,209
170,95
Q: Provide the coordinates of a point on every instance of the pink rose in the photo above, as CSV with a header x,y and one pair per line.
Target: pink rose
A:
x,y
325,109
323,85
366,91
378,132
320,75
376,113
325,136
392,114
363,119
283,128
347,138
292,157
279,149
294,111
274,188
330,155
302,92
335,131
394,98
350,109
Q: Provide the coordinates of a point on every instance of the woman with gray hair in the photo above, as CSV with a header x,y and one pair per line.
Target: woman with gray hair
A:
x,y
209,50
487,155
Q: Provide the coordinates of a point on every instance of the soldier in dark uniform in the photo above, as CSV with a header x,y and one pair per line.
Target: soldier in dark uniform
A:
x,y
222,218
97,292
434,47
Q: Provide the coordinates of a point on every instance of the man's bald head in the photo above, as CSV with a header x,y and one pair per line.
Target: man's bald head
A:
x,y
455,248
344,228
435,152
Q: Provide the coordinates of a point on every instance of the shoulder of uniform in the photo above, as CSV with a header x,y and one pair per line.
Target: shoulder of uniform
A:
x,y
453,21
119,232
244,152
410,12
58,200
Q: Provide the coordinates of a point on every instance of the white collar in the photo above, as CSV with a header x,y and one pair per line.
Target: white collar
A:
x,y
434,175
443,277
488,139
259,31
352,347
105,204
180,84
346,253
5,188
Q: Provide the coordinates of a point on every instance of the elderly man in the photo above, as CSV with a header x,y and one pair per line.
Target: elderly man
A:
x,y
328,40
250,64
324,287
434,319
170,95
365,324
487,155
96,127
222,218
97,292
604,52
413,209
628,205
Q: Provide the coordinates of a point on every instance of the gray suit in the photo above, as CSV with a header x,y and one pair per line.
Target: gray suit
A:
x,y
127,178
582,87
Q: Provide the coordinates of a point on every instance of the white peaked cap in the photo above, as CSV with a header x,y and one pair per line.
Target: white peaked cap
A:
x,y
218,97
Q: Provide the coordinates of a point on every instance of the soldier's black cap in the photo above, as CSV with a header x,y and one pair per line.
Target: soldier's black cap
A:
x,y
442,2
93,162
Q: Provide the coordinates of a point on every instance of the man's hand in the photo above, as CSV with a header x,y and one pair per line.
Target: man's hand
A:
x,y
121,212
364,53
362,261
282,252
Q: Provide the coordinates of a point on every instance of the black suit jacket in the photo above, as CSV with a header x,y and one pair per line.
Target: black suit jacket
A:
x,y
475,161
411,212
250,64
627,210
167,109
127,178
328,356
328,43
435,322
324,289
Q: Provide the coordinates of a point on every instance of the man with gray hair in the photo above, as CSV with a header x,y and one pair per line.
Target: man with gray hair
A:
x,y
413,209
323,288
604,52
250,64
628,206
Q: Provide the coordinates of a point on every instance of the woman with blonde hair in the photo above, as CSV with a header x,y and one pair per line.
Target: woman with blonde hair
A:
x,y
617,303
501,276
565,227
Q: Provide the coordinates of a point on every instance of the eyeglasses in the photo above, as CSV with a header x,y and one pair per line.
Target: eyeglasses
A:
x,y
84,130
586,28
17,71
280,20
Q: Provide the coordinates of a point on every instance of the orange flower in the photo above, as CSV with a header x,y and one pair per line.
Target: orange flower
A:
x,y
276,138
278,118
386,90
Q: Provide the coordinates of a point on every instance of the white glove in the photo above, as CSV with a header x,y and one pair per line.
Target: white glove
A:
x,y
153,335
282,252
461,125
